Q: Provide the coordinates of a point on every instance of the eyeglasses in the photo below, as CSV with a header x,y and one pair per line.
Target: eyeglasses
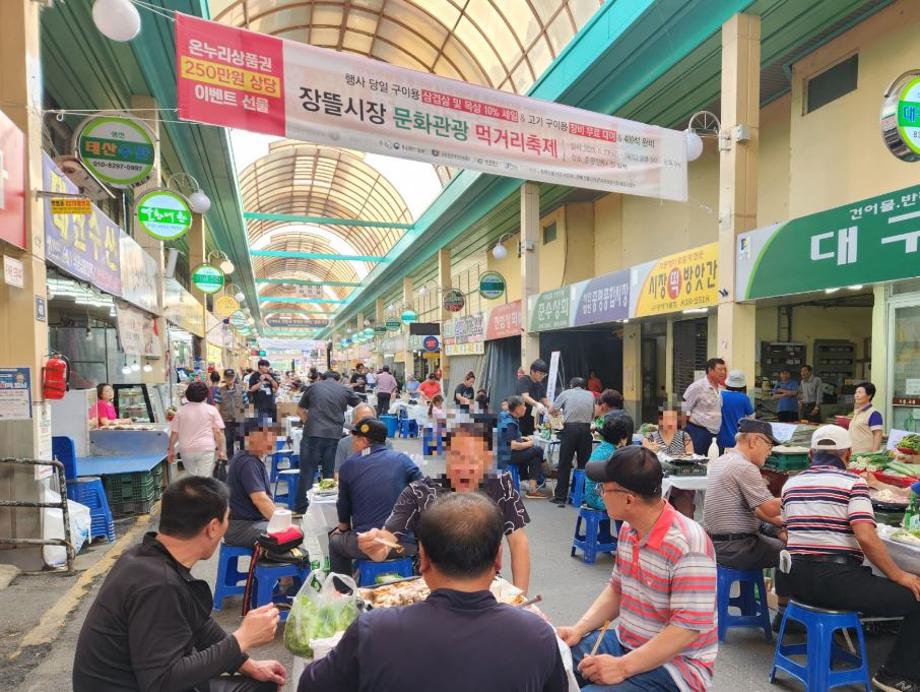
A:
x,y
767,441
601,490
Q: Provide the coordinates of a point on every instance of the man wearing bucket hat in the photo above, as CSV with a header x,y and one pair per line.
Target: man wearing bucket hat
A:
x,y
663,588
831,526
736,404
370,480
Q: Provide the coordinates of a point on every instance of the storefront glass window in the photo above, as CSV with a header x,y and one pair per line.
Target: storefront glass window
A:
x,y
906,369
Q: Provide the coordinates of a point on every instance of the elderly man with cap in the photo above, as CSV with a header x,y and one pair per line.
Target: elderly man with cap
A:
x,y
663,589
577,406
344,450
831,528
741,515
369,482
532,390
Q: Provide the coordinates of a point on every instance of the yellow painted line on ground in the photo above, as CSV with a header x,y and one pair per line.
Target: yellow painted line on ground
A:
x,y
54,619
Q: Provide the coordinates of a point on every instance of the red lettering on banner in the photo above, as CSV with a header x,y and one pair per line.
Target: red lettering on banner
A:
x,y
593,132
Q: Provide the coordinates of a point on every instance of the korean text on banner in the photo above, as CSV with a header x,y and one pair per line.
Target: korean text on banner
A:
x,y
12,183
137,332
875,239
139,273
504,321
684,281
238,78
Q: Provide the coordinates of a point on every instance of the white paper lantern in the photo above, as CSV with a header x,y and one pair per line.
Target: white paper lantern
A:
x,y
199,203
499,252
118,20
694,145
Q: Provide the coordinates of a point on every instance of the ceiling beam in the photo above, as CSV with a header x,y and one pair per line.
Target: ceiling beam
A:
x,y
291,299
307,282
322,220
292,254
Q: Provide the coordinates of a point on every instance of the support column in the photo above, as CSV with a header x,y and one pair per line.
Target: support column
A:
x,y
738,182
408,302
632,369
669,363
359,320
196,256
379,319
444,281
530,267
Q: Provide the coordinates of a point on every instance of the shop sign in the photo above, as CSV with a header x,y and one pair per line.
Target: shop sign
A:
x,y
13,272
163,214
71,205
876,239
236,78
380,328
139,273
207,279
41,309
86,246
900,118
474,348
294,321
12,183
504,321
182,308
393,324
225,306
491,285
137,332
15,394
118,150
550,310
463,329
394,344
683,281
602,299
215,354
431,344
454,300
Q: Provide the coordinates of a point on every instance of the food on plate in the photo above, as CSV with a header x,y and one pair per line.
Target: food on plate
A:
x,y
647,428
328,484
415,590
890,495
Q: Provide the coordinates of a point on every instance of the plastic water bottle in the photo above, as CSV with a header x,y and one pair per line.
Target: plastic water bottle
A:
x,y
713,452
312,544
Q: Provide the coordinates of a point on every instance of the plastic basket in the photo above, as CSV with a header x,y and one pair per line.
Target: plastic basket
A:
x,y
787,462
134,487
136,507
900,481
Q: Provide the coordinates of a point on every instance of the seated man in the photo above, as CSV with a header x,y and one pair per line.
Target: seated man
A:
x,y
251,505
663,589
503,648
150,627
518,450
831,528
343,450
469,461
369,483
741,515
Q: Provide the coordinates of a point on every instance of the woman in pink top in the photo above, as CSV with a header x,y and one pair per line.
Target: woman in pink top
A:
x,y
105,410
199,431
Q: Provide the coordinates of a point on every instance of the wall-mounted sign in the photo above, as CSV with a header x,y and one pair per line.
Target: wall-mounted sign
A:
x,y
504,321
237,78
163,214
207,279
409,316
71,205
295,321
868,241
682,281
225,306
900,117
454,300
15,394
380,328
431,344
491,285
137,332
12,183
393,324
13,272
182,308
463,330
138,275
119,150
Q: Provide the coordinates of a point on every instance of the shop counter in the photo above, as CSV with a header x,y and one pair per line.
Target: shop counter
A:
x,y
117,463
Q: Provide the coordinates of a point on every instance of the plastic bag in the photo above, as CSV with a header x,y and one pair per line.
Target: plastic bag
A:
x,y
319,611
53,527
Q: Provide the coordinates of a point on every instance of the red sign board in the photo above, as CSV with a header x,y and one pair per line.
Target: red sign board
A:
x,y
12,183
504,321
229,77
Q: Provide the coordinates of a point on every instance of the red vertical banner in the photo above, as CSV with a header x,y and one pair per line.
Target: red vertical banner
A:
x,y
12,183
229,77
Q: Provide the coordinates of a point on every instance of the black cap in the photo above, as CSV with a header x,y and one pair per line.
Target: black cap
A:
x,y
539,365
635,468
750,425
229,372
371,428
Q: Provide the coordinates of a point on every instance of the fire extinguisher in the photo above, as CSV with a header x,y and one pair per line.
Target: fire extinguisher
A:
x,y
55,376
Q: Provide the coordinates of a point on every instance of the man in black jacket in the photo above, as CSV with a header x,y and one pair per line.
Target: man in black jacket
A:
x,y
150,628
461,639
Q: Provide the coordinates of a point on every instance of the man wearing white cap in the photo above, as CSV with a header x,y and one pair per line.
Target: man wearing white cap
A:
x,y
831,527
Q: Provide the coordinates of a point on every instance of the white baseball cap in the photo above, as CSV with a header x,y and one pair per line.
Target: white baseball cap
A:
x,y
831,437
735,379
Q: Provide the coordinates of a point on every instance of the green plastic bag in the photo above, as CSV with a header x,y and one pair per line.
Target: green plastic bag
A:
x,y
319,611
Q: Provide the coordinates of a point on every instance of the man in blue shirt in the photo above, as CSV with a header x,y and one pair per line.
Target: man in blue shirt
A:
x,y
786,393
514,448
369,482
251,505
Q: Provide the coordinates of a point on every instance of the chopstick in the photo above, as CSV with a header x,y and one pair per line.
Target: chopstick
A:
x,y
535,599
600,637
390,544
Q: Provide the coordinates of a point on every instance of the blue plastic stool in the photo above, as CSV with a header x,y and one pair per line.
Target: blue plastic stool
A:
x,y
596,538
515,476
392,423
368,570
280,443
290,478
819,649
429,442
282,461
91,492
754,609
231,581
265,581
577,489
408,427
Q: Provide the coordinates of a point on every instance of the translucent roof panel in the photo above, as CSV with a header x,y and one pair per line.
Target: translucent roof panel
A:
x,y
505,44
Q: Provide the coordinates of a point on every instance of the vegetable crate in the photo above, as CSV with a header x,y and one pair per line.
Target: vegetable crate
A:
x,y
128,508
787,462
134,488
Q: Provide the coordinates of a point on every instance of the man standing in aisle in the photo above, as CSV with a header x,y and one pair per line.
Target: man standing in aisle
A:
x,y
358,381
810,395
663,588
232,400
577,406
786,393
322,409
703,406
263,386
370,480
532,390
831,527
386,387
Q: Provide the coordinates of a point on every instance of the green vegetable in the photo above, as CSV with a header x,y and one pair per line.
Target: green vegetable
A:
x,y
316,616
910,442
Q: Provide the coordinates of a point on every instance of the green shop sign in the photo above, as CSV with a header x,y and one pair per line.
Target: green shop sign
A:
x,y
393,324
118,150
491,285
900,117
550,310
877,239
207,279
163,214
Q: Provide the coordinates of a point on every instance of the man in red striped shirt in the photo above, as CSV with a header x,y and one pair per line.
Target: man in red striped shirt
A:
x,y
663,589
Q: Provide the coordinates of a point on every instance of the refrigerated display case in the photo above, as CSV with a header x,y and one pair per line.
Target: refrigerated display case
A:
x,y
144,403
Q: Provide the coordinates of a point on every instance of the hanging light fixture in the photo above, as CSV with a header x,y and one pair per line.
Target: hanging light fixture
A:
x,y
226,266
500,252
118,20
147,367
704,124
408,316
188,186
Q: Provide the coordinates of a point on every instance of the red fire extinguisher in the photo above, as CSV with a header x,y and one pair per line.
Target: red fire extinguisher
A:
x,y
54,377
